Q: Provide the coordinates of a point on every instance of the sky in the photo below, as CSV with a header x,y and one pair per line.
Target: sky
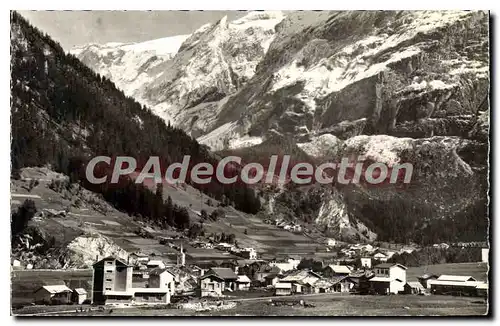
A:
x,y
73,28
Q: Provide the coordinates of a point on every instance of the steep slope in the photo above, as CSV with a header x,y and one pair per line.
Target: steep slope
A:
x,y
211,64
392,86
388,68
128,65
63,114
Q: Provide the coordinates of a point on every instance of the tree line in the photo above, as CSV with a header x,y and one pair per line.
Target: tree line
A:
x,y
63,114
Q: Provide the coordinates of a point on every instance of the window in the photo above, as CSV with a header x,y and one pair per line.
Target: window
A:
x,y
109,289
211,286
109,263
109,280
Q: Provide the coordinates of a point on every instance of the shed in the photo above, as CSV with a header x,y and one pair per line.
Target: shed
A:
x,y
243,283
79,295
413,288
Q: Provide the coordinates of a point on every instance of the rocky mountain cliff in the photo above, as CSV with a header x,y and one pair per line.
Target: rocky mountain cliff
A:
x,y
392,86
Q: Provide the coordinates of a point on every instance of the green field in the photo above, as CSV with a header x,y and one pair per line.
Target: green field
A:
x,y
329,305
25,282
476,270
267,239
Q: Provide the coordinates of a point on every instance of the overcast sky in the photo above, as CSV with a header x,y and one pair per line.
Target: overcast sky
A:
x,y
72,28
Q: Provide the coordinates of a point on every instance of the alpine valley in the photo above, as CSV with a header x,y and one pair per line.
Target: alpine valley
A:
x,y
391,86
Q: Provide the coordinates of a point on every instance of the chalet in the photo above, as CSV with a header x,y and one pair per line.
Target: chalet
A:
x,y
211,285
243,283
454,285
162,278
227,275
359,248
155,263
308,287
321,286
283,289
139,257
380,257
361,281
424,279
366,262
79,295
197,271
342,284
271,279
224,246
389,278
413,288
336,270
249,253
300,278
53,294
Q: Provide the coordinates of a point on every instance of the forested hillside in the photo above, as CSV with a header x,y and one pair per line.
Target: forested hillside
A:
x,y
63,114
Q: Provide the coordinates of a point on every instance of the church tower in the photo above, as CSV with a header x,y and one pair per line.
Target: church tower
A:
x,y
181,258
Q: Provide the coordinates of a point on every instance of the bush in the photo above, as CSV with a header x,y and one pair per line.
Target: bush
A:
x,y
22,216
218,213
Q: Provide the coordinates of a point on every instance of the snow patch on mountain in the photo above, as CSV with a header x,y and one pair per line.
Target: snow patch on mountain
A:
x,y
320,146
129,65
172,75
379,148
358,61
167,46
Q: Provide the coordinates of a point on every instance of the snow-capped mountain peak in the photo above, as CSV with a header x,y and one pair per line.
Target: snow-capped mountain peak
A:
x,y
176,74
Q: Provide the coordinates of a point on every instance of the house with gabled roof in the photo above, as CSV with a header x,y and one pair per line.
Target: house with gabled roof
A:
x,y
413,288
162,278
46,294
389,278
211,285
243,283
266,270
79,295
361,281
300,278
454,285
424,279
283,289
336,270
227,275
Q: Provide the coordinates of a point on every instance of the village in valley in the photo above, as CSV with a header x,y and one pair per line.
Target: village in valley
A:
x,y
330,106
80,256
144,281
